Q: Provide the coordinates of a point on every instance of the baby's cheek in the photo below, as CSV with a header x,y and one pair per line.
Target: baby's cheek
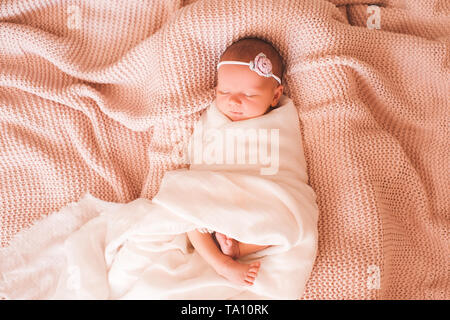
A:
x,y
257,109
220,105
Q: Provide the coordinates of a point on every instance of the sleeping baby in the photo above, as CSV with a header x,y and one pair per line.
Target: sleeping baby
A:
x,y
248,86
250,227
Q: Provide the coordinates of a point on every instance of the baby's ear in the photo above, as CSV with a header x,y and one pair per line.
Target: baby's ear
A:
x,y
281,88
277,95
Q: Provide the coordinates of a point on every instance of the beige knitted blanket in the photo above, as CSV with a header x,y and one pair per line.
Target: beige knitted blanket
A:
x,y
94,95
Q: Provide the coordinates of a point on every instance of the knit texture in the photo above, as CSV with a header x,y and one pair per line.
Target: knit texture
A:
x,y
95,94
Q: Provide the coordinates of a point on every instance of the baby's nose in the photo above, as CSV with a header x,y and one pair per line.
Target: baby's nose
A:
x,y
234,99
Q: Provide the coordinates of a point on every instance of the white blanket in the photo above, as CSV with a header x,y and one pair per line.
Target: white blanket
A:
x,y
94,249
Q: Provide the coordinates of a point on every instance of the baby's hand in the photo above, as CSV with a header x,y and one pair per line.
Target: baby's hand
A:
x,y
229,246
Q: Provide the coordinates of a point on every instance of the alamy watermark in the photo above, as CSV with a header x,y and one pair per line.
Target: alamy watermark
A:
x,y
231,146
374,19
74,17
73,278
373,278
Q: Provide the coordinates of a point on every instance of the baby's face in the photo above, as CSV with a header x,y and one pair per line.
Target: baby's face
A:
x,y
243,94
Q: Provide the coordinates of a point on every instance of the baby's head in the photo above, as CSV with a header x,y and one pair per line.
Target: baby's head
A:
x,y
242,93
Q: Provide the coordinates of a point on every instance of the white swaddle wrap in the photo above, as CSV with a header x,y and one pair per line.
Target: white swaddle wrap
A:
x,y
140,250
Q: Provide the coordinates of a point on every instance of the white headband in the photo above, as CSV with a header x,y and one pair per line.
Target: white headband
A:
x,y
261,65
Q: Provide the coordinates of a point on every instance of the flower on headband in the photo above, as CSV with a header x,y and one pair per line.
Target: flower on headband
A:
x,y
261,65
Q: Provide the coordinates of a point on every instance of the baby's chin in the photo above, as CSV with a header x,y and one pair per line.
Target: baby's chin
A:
x,y
236,116
242,116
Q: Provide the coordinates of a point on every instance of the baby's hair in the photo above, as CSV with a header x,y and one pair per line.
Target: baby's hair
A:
x,y
246,49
